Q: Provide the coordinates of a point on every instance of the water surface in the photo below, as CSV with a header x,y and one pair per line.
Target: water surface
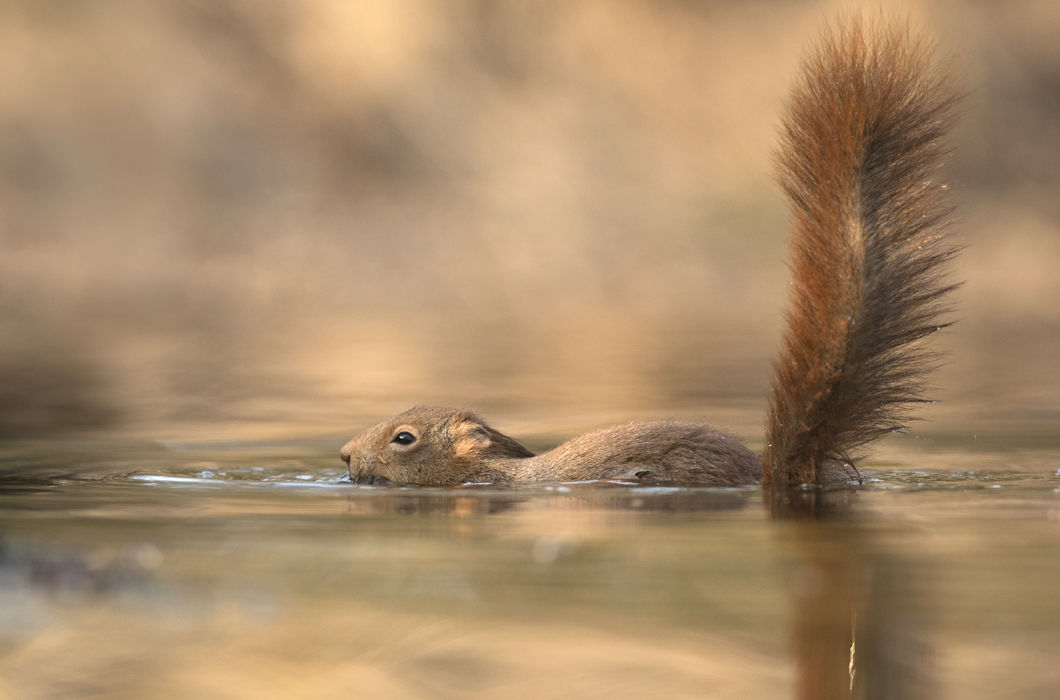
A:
x,y
253,570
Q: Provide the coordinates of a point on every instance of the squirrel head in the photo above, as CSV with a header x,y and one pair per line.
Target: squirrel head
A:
x,y
428,446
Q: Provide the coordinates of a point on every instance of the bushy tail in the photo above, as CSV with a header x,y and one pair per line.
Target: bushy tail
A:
x,y
861,140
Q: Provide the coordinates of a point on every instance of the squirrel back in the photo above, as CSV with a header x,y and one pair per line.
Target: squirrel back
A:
x,y
861,139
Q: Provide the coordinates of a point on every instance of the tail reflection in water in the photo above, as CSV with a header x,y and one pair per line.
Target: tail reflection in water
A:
x,y
858,616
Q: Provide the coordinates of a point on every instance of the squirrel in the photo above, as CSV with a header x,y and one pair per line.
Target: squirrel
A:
x,y
862,137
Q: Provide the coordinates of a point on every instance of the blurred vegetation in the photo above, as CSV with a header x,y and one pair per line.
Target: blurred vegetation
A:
x,y
238,218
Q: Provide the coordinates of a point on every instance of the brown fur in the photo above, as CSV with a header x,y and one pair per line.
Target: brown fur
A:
x,y
861,140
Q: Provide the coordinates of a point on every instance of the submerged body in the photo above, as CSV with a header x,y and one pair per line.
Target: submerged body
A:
x,y
861,142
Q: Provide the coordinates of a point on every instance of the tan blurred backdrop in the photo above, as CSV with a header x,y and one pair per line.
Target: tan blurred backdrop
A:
x,y
225,218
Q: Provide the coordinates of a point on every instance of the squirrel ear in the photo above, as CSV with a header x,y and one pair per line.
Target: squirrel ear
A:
x,y
480,435
471,438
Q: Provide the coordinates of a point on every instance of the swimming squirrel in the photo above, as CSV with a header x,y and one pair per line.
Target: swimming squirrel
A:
x,y
861,139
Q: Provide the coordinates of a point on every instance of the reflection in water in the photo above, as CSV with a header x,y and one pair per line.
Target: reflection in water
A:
x,y
858,619
587,496
262,574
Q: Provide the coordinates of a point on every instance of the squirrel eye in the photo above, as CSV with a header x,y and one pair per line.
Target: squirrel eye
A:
x,y
404,438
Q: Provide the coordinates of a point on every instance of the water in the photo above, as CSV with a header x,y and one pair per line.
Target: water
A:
x,y
251,570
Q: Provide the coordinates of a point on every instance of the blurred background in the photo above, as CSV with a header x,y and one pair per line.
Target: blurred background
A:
x,y
234,219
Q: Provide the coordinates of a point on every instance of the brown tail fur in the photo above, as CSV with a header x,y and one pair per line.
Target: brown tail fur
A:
x,y
862,138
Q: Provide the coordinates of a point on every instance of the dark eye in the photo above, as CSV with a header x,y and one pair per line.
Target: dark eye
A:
x,y
404,438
